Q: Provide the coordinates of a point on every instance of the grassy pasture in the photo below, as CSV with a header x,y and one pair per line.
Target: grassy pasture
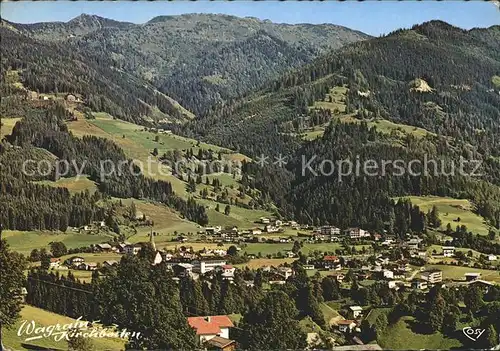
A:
x,y
24,242
403,335
73,184
335,101
138,145
450,210
6,126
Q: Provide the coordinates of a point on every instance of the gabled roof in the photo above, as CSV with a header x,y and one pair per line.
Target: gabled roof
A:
x,y
330,258
210,324
220,342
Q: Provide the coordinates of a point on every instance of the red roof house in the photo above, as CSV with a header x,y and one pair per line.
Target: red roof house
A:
x,y
210,326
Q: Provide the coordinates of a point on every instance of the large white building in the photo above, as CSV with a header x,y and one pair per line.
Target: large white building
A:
x,y
204,266
448,251
329,230
356,233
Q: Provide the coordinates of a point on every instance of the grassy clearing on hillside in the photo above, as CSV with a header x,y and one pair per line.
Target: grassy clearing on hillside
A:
x,y
329,313
457,272
6,126
450,210
496,81
44,318
166,221
335,102
138,144
73,184
24,242
403,336
388,127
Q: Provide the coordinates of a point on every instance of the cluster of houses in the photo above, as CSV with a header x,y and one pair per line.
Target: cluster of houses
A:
x,y
78,263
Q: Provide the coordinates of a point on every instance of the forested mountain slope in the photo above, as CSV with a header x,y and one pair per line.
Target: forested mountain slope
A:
x,y
434,76
197,59
52,68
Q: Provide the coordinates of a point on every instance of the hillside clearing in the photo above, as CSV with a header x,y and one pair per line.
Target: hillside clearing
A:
x,y
73,184
6,126
450,210
24,242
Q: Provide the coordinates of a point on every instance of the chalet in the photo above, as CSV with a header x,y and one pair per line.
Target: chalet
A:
x,y
308,267
88,266
271,229
419,284
285,240
403,266
414,243
168,256
432,276
376,236
492,257
266,268
388,242
329,230
331,262
388,274
75,261
357,233
219,252
472,276
218,343
227,271
103,247
264,220
210,327
338,277
132,249
55,262
290,254
278,223
393,284
448,251
249,283
276,278
120,248
355,311
382,261
213,230
255,231
346,325
285,271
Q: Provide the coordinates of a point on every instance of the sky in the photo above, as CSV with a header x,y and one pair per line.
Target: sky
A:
x,y
371,17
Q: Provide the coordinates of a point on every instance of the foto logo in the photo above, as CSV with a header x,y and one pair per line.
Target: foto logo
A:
x,y
473,333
